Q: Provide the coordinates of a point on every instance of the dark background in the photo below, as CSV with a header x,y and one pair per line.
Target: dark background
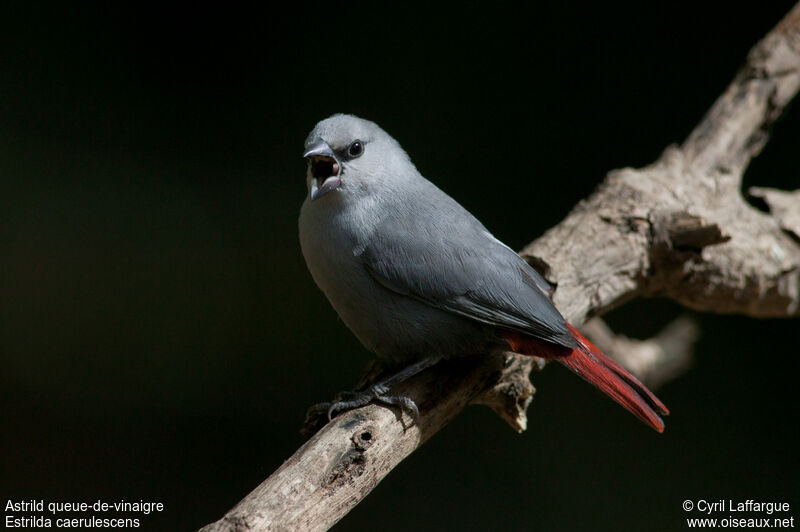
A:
x,y
160,337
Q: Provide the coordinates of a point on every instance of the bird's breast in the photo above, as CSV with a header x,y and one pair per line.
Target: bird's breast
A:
x,y
394,326
331,240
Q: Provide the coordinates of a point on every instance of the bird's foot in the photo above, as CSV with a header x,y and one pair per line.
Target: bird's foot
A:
x,y
345,401
377,392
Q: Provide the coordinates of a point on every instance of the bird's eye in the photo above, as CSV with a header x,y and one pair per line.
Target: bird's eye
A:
x,y
355,149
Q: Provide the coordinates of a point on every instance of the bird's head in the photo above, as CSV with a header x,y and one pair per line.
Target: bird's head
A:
x,y
345,152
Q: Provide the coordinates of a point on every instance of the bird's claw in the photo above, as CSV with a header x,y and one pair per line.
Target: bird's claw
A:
x,y
358,400
378,393
406,404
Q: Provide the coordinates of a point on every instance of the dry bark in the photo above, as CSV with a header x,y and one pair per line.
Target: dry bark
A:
x,y
679,228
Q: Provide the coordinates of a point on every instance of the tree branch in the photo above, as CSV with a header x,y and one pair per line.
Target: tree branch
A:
x,y
678,228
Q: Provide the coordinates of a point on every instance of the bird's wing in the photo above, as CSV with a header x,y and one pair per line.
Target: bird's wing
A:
x,y
458,266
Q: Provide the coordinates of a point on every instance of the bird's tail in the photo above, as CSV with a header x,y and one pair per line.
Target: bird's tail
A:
x,y
597,369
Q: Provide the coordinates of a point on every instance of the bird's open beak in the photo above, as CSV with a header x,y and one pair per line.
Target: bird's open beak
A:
x,y
323,169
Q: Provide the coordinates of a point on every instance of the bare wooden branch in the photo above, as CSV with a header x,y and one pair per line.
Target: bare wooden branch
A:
x,y
679,228
341,464
634,215
784,206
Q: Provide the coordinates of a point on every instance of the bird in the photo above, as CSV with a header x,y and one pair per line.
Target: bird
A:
x,y
418,279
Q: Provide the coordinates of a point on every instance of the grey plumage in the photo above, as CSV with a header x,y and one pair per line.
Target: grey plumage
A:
x,y
408,269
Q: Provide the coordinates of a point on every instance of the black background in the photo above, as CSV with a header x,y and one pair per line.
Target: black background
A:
x,y
160,335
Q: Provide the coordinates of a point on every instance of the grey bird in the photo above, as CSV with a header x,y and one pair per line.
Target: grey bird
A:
x,y
418,279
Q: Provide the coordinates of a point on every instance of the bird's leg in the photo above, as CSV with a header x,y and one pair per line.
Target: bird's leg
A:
x,y
404,374
379,392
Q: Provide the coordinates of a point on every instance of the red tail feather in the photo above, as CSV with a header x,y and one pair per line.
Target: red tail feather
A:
x,y
594,367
